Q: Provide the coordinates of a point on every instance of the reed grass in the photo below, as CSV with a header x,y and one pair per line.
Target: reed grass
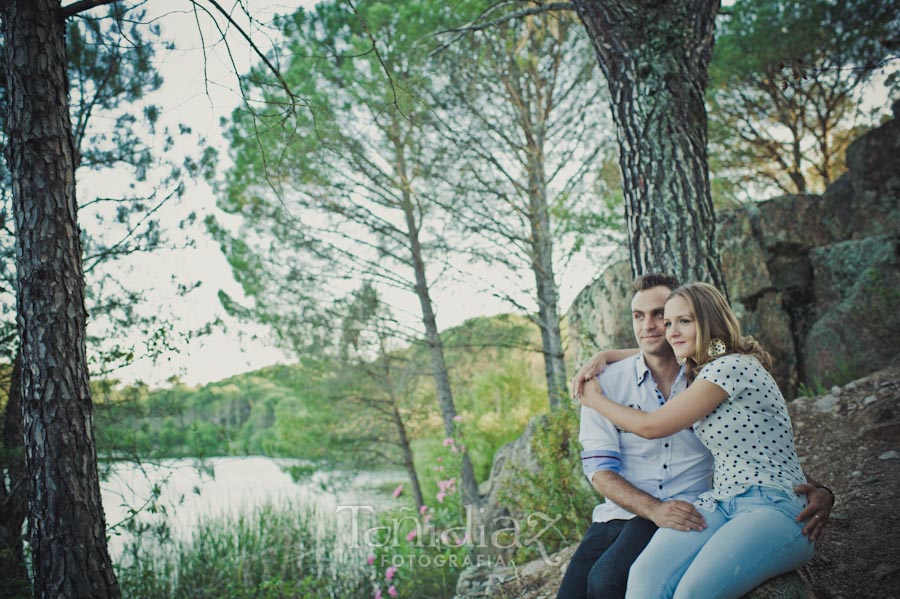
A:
x,y
277,550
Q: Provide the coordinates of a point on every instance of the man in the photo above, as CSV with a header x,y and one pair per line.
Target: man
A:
x,y
647,483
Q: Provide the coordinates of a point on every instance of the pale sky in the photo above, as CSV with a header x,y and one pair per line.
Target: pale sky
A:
x,y
201,97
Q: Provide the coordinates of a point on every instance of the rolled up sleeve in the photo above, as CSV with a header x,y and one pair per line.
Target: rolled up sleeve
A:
x,y
600,442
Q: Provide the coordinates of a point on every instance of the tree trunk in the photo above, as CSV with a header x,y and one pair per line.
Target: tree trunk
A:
x,y
65,516
402,437
436,351
545,281
655,57
13,575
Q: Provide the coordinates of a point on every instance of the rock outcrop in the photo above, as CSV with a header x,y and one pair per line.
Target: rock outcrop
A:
x,y
816,279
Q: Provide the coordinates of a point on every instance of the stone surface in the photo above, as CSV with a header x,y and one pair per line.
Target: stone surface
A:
x,y
816,279
857,291
770,324
743,258
600,316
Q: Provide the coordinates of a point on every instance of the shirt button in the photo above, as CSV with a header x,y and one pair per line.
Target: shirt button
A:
x,y
667,444
660,486
665,465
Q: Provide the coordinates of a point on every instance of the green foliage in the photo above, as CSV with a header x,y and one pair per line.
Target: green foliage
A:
x,y
558,488
310,409
286,550
785,87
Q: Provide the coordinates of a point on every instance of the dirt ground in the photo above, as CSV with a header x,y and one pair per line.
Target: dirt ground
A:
x,y
854,448
849,440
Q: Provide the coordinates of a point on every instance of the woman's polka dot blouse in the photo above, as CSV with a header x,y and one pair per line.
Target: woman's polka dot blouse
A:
x,y
749,434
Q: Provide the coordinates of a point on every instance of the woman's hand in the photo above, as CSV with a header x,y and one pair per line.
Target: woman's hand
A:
x,y
595,366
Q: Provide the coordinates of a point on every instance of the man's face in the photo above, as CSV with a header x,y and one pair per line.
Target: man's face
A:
x,y
647,318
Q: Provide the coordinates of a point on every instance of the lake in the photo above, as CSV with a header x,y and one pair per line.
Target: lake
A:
x,y
189,489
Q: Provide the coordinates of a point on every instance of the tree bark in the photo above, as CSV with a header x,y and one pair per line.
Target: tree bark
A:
x,y
436,351
402,437
655,56
65,516
545,281
14,581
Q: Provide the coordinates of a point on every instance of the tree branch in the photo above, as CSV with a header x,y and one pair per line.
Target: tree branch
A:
x,y
82,5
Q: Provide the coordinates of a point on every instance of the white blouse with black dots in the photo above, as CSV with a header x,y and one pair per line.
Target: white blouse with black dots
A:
x,y
749,434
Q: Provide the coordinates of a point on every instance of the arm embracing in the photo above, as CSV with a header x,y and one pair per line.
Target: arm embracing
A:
x,y
680,412
595,366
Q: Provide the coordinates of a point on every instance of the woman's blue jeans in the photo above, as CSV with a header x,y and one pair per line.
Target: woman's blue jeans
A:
x,y
748,539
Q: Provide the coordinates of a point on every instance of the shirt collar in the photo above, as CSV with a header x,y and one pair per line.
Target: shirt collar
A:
x,y
642,371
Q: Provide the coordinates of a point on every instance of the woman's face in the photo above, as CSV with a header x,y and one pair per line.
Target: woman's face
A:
x,y
681,327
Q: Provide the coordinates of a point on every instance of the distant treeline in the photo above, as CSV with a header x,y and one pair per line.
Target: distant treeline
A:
x,y
326,410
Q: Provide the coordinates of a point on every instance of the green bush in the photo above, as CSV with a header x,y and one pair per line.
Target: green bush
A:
x,y
558,490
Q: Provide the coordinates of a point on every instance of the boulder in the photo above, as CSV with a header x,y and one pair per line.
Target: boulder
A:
x,y
600,316
510,458
813,278
873,171
770,324
857,291
743,257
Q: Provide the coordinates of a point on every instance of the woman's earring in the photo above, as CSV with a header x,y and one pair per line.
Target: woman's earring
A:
x,y
716,348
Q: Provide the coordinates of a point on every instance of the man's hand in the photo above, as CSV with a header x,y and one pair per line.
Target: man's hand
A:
x,y
816,512
679,515
592,368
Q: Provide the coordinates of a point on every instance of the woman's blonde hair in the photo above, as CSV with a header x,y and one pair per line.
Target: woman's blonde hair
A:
x,y
715,319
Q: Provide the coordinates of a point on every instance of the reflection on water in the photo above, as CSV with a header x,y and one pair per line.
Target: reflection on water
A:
x,y
178,492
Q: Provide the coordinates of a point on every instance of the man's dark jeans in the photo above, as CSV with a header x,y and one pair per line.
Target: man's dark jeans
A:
x,y
599,568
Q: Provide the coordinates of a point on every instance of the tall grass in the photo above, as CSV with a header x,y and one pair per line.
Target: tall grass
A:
x,y
277,550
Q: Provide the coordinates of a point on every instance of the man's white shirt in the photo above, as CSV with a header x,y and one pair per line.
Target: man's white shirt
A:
x,y
677,467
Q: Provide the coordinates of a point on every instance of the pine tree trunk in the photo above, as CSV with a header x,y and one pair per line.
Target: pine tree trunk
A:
x,y
545,280
438,363
655,56
65,516
402,437
14,581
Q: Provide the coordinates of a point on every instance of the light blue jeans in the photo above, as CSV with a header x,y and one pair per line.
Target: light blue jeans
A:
x,y
748,539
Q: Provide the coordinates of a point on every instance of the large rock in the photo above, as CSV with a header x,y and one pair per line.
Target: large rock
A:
x,y
540,579
600,316
767,321
873,171
743,257
804,274
515,456
857,291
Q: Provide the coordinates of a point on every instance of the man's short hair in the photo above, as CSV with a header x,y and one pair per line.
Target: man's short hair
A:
x,y
655,279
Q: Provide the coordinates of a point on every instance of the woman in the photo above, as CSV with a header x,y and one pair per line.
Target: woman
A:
x,y
737,411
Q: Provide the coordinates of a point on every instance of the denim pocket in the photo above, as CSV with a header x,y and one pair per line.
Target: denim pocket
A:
x,y
790,506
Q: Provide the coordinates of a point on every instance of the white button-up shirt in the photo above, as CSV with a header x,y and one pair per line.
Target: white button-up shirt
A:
x,y
677,467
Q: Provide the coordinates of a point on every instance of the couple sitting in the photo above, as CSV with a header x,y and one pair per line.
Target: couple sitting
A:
x,y
695,403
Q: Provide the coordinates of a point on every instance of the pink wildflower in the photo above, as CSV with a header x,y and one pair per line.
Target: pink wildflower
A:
x,y
397,491
370,560
423,509
427,518
448,441
392,591
389,573
412,535
457,418
440,496
377,594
